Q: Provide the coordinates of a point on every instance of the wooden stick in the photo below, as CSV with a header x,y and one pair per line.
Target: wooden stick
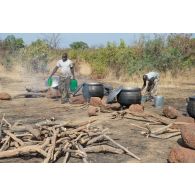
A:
x,y
1,126
103,148
122,147
162,130
165,136
95,139
137,119
138,126
4,120
14,137
29,95
23,150
80,147
66,157
51,150
4,146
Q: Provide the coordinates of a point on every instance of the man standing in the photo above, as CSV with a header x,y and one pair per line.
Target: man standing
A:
x,y
152,87
66,73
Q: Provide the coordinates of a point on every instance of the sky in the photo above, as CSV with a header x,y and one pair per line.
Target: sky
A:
x,y
92,39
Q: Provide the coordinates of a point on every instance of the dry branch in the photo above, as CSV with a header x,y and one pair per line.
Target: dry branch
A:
x,y
103,148
122,147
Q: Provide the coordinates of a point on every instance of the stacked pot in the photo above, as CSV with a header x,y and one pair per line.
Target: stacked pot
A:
x,y
186,152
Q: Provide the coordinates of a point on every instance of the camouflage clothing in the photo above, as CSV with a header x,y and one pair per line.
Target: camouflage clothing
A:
x,y
64,86
152,88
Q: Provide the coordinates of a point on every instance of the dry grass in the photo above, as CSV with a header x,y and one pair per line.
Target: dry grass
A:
x,y
185,80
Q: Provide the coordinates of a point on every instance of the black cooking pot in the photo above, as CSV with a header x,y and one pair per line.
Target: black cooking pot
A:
x,y
129,96
93,90
191,106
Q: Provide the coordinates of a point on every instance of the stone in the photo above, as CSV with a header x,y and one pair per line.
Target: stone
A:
x,y
171,112
77,100
95,101
92,111
136,108
188,135
181,155
184,119
115,106
5,96
53,93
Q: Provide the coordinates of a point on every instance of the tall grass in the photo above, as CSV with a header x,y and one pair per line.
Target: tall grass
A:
x,y
174,54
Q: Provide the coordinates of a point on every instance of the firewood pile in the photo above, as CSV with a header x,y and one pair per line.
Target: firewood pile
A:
x,y
168,127
53,139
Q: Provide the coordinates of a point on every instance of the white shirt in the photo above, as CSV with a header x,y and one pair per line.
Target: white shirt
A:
x,y
65,67
153,75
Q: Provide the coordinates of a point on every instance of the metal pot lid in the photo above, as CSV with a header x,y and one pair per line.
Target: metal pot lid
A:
x,y
192,98
113,94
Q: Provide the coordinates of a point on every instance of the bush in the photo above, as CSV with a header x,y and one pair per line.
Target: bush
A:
x,y
36,55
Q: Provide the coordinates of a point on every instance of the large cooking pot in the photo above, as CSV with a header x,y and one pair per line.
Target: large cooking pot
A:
x,y
191,106
128,96
93,90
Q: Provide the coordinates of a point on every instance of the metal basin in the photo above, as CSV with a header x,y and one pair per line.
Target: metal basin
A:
x,y
191,106
129,96
93,90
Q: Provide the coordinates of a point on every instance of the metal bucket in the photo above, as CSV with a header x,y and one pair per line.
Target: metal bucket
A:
x,y
143,99
158,101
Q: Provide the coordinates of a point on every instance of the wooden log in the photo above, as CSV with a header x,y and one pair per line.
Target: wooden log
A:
x,y
58,152
122,147
22,150
103,148
29,95
95,139
138,126
67,155
14,137
84,140
165,136
16,144
5,146
80,147
51,150
137,119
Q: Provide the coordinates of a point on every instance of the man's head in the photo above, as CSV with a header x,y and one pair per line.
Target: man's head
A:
x,y
64,57
145,77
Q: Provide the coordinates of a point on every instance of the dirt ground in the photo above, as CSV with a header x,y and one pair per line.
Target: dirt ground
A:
x,y
31,110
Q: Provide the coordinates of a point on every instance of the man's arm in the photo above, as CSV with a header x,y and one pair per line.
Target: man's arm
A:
x,y
54,71
144,84
72,71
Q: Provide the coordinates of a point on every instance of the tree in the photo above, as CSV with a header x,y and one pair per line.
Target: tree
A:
x,y
12,43
53,40
79,45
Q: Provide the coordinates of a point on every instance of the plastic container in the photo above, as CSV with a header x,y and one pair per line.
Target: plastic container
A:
x,y
158,101
49,82
52,82
73,85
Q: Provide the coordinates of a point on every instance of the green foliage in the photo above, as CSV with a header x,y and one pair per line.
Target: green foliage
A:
x,y
160,54
79,45
36,56
12,43
174,53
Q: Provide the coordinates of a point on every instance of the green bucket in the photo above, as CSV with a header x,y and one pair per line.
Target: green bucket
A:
x,y
49,82
73,85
